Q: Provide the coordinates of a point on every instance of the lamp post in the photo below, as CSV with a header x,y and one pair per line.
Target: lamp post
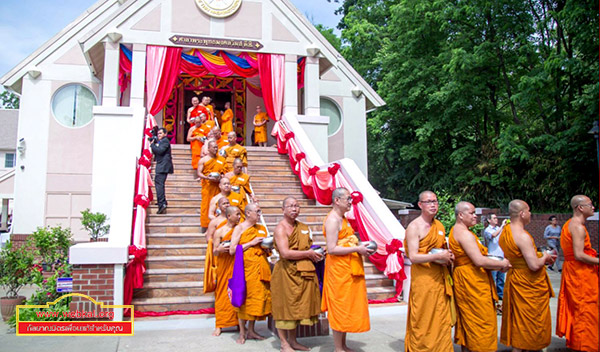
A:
x,y
594,131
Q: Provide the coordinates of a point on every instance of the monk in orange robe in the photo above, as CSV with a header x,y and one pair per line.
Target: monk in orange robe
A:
x,y
249,234
234,151
235,199
210,262
195,111
227,119
474,287
578,317
260,127
344,287
431,312
195,137
240,180
225,315
210,112
294,282
526,320
209,164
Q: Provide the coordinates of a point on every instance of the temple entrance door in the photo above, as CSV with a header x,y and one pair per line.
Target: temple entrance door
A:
x,y
219,89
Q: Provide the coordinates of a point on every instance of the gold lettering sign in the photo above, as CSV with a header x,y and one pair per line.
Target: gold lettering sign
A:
x,y
186,40
219,8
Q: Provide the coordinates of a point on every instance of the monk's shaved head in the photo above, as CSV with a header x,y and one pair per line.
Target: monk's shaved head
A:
x,y
515,207
231,210
211,142
250,208
287,200
338,193
224,180
424,194
231,134
222,201
578,200
462,207
237,161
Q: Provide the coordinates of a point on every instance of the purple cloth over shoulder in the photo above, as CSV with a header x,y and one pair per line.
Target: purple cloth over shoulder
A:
x,y
236,288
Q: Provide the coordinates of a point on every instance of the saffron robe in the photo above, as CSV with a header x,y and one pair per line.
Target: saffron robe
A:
x,y
227,122
475,293
577,317
234,152
237,200
206,127
225,315
260,132
430,306
199,109
210,265
344,287
196,146
294,283
211,112
209,188
258,277
243,181
526,320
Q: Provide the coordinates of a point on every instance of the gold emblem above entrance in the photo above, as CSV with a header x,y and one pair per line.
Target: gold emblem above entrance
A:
x,y
219,8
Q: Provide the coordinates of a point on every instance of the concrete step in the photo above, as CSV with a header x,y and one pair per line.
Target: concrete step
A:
x,y
175,262
162,304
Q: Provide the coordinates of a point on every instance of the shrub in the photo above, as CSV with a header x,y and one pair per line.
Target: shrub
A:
x,y
94,224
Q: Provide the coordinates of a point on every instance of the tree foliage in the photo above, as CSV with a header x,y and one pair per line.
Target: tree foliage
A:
x,y
9,100
489,100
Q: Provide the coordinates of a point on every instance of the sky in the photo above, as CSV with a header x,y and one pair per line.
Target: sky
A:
x,y
25,25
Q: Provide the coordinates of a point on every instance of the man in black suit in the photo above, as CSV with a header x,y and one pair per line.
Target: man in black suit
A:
x,y
161,148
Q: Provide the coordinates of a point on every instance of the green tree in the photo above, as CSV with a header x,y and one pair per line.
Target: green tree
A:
x,y
488,100
9,100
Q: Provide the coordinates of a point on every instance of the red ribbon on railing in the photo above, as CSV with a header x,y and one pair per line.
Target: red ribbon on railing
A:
x,y
333,169
148,132
357,197
289,135
144,162
134,274
142,201
300,156
313,170
147,154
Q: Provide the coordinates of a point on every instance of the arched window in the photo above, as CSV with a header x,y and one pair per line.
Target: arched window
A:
x,y
72,105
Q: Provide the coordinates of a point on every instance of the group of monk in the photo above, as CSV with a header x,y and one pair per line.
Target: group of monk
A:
x,y
290,293
451,283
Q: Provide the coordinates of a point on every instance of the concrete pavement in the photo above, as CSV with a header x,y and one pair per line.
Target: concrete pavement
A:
x,y
193,333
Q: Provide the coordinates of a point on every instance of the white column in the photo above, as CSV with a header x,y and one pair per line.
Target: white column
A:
x,y
138,75
4,224
110,86
290,99
312,106
118,286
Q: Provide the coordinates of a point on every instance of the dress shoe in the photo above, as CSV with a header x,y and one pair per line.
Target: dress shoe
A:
x,y
162,210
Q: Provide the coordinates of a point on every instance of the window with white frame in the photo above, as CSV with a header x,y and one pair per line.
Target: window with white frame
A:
x,y
72,105
9,160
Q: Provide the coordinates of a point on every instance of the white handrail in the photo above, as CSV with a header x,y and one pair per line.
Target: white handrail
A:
x,y
371,200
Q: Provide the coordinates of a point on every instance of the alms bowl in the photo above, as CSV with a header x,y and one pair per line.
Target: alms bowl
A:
x,y
267,243
236,189
226,243
495,257
214,175
372,246
438,250
319,250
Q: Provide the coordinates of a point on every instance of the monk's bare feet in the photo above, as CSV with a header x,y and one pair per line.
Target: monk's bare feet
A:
x,y
348,349
241,340
217,332
286,348
254,336
298,347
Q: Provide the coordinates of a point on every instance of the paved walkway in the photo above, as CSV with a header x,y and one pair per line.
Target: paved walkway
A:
x,y
193,333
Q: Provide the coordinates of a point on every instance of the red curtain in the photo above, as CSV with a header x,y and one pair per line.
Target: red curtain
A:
x,y
170,71
266,82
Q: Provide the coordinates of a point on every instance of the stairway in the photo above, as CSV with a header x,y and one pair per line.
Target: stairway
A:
x,y
176,248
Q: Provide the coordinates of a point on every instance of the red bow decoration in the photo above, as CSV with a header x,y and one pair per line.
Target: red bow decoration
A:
x,y
300,156
393,247
148,132
289,135
144,162
313,170
357,197
333,169
141,200
147,154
